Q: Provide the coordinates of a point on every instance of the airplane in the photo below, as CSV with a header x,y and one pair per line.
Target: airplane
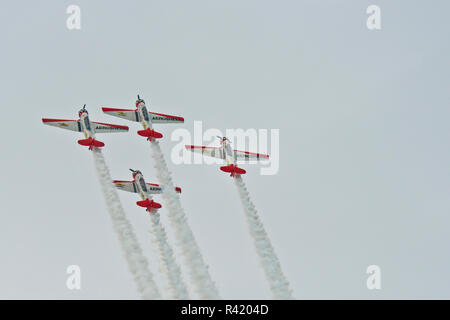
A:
x,y
229,155
145,190
89,128
140,114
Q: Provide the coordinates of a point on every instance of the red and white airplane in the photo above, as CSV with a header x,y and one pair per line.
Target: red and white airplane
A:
x,y
229,155
87,127
140,114
145,190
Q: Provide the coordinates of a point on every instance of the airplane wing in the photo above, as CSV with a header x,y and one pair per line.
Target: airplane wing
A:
x,y
125,185
214,152
156,188
73,125
164,118
106,127
126,114
245,155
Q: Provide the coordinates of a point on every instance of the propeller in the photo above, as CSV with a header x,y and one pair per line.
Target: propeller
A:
x,y
139,100
134,171
83,109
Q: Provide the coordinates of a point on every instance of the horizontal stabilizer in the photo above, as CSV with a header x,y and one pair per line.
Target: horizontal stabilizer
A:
x,y
150,134
154,205
91,143
233,170
144,203
149,204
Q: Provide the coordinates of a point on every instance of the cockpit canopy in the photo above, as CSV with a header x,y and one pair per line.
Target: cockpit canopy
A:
x,y
143,185
145,113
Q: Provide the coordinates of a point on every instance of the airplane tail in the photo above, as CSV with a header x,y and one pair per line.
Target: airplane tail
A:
x,y
150,134
149,204
233,170
91,143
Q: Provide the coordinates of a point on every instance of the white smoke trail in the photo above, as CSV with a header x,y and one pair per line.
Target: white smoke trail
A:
x,y
197,269
137,263
168,264
267,257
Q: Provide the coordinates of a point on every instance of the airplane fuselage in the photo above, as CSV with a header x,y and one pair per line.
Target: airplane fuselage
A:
x,y
143,115
145,119
143,189
86,127
227,153
230,158
141,186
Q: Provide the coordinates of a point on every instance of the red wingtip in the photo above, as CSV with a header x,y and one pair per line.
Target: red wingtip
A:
x,y
105,109
44,120
121,181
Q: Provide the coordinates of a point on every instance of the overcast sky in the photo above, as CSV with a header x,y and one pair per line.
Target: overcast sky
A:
x,y
363,116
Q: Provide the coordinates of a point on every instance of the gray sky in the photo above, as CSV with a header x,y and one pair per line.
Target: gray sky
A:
x,y
363,119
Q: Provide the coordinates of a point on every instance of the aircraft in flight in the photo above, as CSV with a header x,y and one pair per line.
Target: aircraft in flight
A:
x,y
147,119
144,189
230,156
87,127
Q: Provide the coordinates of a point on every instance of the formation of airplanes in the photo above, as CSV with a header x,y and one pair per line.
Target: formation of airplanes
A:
x,y
147,119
